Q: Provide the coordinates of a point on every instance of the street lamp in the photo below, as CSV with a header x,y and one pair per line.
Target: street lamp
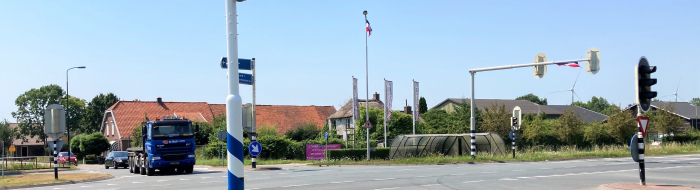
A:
x,y
68,115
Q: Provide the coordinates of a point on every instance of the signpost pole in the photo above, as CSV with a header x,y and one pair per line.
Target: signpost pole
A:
x,y
513,145
234,126
253,139
640,144
3,158
55,159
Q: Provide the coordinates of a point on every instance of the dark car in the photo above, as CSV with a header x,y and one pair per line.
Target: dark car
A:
x,y
117,159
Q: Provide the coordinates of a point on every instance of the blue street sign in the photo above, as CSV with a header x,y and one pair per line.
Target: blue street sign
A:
x,y
244,78
243,64
326,135
254,148
634,148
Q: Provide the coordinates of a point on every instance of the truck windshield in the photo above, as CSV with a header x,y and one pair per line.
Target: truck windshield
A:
x,y
172,131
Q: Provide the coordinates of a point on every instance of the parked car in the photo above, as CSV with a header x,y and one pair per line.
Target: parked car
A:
x,y
64,158
117,159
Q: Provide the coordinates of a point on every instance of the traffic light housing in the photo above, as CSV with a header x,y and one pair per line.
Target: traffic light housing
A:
x,y
515,121
643,83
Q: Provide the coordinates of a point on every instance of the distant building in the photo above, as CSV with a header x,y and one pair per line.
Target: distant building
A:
x,y
342,119
32,146
684,110
527,107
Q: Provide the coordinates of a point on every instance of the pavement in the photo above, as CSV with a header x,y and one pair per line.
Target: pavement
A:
x,y
669,171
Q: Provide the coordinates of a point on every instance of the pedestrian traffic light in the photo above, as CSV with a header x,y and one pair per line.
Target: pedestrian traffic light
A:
x,y
643,83
515,121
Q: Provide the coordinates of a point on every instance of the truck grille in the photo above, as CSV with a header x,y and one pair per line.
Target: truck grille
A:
x,y
173,157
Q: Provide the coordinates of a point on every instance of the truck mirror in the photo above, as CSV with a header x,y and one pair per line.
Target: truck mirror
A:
x,y
143,131
196,127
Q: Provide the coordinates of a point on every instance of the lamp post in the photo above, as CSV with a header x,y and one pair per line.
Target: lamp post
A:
x,y
68,115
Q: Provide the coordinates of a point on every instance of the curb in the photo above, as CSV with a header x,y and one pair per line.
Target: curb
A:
x,y
626,186
54,184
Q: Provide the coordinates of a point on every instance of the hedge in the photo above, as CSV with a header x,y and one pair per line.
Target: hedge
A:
x,y
273,148
358,154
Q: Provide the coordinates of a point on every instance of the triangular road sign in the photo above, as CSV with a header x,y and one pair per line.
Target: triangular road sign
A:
x,y
643,123
368,125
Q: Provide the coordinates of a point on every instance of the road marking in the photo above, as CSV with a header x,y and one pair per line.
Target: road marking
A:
x,y
488,172
387,188
206,177
336,182
545,168
348,181
571,167
525,177
58,188
405,170
160,185
85,186
371,171
162,180
458,174
137,182
282,173
542,176
518,170
383,179
507,179
473,181
111,184
421,176
428,185
184,179
298,185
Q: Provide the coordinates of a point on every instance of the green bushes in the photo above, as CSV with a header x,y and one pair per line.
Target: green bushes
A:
x,y
358,154
690,135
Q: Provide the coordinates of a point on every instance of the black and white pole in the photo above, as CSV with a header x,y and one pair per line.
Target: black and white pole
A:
x,y
55,159
513,147
471,121
252,158
640,144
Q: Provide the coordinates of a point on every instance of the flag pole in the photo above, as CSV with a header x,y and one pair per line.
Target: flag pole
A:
x,y
367,85
385,114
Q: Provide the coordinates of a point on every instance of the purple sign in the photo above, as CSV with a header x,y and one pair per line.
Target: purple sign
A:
x,y
316,151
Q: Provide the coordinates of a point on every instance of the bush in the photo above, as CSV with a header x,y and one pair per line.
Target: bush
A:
x,y
691,135
94,143
358,154
304,132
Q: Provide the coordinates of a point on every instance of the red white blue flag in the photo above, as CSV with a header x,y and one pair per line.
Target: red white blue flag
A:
x,y
368,29
573,64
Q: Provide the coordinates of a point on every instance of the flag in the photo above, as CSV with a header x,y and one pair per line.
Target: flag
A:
x,y
415,100
389,96
355,106
573,64
368,29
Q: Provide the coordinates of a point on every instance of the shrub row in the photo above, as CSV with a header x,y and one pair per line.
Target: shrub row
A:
x,y
273,147
358,154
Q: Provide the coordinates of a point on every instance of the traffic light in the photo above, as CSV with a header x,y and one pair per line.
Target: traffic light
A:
x,y
644,82
515,121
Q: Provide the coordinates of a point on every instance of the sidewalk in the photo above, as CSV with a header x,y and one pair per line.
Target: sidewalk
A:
x,y
637,186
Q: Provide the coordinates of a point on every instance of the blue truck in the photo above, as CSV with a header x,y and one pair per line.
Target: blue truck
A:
x,y
168,145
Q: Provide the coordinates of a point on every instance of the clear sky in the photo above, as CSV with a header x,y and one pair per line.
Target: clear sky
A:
x,y
307,51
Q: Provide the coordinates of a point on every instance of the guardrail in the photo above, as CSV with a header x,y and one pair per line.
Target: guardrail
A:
x,y
30,163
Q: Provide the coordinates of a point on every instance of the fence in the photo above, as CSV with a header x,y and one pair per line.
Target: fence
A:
x,y
30,163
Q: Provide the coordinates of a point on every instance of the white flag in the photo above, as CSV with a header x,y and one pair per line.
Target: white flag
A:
x,y
355,106
415,100
389,96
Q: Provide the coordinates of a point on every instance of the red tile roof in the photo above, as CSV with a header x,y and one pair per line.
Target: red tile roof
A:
x,y
218,109
290,117
129,114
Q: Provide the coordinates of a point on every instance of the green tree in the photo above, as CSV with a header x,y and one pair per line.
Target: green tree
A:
x,y
76,112
695,101
75,144
460,120
95,110
6,133
437,121
533,98
536,128
664,121
94,143
621,126
496,119
201,137
377,120
594,131
305,131
422,105
566,127
136,138
597,104
30,110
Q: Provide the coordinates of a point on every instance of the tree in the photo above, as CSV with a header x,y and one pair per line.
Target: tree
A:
x,y
75,109
594,131
422,105
621,126
30,110
94,143
437,121
695,101
596,104
535,129
533,98
665,121
496,119
305,131
201,137
136,138
95,110
566,127
6,133
75,144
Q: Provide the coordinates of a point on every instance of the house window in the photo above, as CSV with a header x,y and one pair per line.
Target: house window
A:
x,y
106,128
112,128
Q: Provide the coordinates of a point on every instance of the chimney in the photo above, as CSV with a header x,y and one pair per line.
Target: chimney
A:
x,y
375,96
160,101
407,109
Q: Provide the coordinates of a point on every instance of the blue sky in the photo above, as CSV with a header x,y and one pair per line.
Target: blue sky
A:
x,y
307,51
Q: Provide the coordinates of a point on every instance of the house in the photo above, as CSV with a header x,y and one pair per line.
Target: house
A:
x,y
32,146
684,110
123,117
527,107
342,119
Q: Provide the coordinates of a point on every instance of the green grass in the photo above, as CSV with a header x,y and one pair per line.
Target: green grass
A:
x,y
247,162
36,179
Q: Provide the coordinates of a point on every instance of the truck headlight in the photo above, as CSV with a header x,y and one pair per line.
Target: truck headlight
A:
x,y
191,156
155,158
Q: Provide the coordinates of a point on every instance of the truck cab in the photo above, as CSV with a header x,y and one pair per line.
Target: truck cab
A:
x,y
168,145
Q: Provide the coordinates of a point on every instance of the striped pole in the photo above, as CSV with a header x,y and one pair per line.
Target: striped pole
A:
x,y
513,147
55,159
471,122
234,123
640,144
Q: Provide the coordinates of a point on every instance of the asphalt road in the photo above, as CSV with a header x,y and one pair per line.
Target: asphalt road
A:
x,y
572,174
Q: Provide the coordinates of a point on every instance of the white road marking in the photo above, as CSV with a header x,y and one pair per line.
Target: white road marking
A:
x,y
111,184
383,179
348,181
525,177
518,170
162,180
545,168
387,188
282,173
507,179
571,167
458,174
421,176
184,179
85,186
428,185
137,182
488,172
206,177
473,181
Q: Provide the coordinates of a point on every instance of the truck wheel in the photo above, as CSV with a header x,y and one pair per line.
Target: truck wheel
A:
x,y
149,171
141,166
189,169
131,167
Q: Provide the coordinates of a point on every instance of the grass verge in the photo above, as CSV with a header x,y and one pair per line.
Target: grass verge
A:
x,y
39,179
247,162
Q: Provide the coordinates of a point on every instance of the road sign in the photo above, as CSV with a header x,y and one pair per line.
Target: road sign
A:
x,y
634,148
517,113
326,135
222,135
59,144
12,148
254,148
244,78
512,135
593,63
643,122
540,70
54,121
243,64
368,125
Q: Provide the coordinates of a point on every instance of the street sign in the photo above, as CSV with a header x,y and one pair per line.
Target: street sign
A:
x,y
222,135
59,144
254,148
326,135
244,78
634,148
243,64
643,122
517,113
368,125
12,148
54,121
593,63
540,70
512,135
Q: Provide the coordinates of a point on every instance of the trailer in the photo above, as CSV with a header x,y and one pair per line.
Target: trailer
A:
x,y
167,145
